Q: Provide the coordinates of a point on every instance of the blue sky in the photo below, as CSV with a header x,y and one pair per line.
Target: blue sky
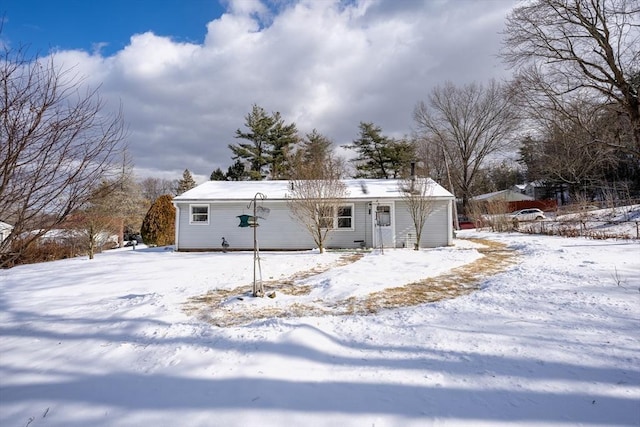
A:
x,y
187,72
87,24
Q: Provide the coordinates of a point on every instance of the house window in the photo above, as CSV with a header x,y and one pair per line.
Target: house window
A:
x,y
325,216
199,214
340,217
345,216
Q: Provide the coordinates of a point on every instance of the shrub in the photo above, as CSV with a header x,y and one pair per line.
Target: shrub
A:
x,y
158,226
40,251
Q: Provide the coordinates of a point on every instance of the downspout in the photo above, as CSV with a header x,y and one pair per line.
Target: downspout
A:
x,y
449,222
177,227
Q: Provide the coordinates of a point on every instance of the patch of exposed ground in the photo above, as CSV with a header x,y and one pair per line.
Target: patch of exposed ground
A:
x,y
209,306
459,281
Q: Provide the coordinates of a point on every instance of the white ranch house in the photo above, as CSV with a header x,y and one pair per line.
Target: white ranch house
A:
x,y
373,215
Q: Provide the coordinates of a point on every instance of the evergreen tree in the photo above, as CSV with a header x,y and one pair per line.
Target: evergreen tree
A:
x,y
315,159
186,183
236,172
158,226
315,148
380,156
218,175
270,141
400,154
282,138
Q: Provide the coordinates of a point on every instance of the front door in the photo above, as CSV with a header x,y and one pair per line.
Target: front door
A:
x,y
383,229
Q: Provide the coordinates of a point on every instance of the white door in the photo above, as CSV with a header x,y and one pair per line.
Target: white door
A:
x,y
383,229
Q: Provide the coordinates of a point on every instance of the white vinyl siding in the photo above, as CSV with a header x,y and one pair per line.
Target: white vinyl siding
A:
x,y
280,231
435,230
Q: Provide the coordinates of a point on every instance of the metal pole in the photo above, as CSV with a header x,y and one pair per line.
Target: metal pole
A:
x,y
255,248
258,291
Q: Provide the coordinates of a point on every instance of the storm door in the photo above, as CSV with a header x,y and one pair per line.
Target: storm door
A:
x,y
383,227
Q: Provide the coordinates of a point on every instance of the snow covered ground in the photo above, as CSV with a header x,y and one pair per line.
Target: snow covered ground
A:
x,y
623,221
552,340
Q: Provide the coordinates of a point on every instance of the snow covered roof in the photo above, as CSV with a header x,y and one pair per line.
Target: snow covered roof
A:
x,y
507,195
278,190
5,226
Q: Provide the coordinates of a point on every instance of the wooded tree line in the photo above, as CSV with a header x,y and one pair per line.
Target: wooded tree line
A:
x,y
571,113
274,150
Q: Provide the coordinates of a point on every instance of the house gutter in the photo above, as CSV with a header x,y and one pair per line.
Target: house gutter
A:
x,y
450,222
177,226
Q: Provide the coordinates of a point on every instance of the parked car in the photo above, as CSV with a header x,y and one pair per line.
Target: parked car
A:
x,y
132,239
532,214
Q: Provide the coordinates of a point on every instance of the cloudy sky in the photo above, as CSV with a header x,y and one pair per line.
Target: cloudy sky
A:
x,y
187,72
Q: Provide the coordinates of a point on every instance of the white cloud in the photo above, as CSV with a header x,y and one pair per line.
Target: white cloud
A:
x,y
322,64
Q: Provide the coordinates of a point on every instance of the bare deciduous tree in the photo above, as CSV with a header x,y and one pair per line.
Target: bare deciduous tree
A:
x,y
564,49
96,222
315,195
152,188
429,161
568,151
468,124
57,143
417,195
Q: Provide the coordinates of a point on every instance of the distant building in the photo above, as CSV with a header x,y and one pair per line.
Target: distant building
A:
x,y
536,189
5,230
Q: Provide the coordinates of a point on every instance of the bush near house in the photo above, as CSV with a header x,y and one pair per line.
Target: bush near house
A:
x,y
158,226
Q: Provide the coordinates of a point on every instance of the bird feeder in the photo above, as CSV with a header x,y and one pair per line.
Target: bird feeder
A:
x,y
248,221
262,212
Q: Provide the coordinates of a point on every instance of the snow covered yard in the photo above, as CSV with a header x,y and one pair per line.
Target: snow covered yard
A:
x,y
552,340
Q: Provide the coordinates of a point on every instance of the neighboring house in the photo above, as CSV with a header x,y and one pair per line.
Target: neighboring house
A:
x,y
5,230
373,215
535,189
515,200
520,188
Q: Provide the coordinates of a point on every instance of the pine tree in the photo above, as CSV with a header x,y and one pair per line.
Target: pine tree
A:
x,y
218,175
315,159
186,183
270,141
315,148
236,172
281,140
158,226
380,156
